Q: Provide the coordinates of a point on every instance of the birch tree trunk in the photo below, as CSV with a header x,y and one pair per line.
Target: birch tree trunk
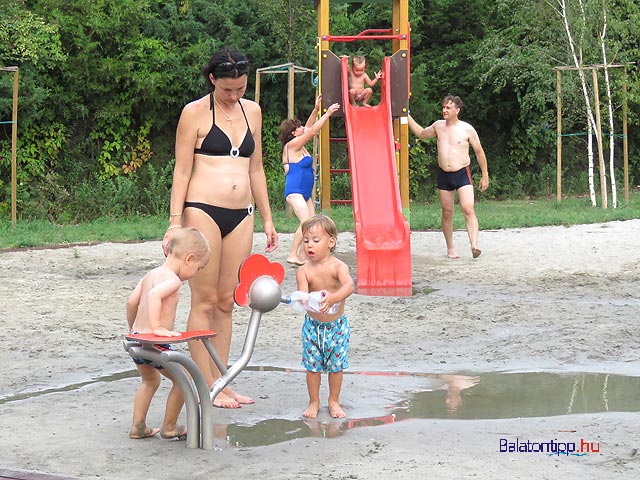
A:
x,y
612,176
561,10
590,130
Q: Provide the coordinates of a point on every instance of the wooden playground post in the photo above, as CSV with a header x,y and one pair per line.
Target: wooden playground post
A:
x,y
625,139
603,184
328,67
290,69
14,141
559,136
14,147
291,91
400,24
324,135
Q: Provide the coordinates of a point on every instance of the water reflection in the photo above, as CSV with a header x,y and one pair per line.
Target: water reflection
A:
x,y
439,396
514,395
454,385
454,396
272,431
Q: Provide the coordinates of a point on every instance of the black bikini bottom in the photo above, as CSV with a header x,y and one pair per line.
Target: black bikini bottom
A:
x,y
227,219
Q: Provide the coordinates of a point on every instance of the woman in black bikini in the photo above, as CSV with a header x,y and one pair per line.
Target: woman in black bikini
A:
x,y
217,177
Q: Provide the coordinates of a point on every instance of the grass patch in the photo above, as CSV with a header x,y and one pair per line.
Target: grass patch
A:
x,y
492,215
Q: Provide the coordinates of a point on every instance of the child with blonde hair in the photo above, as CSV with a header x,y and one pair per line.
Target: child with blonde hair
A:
x,y
152,308
358,78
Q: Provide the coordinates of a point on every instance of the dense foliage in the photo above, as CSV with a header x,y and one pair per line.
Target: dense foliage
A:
x,y
102,83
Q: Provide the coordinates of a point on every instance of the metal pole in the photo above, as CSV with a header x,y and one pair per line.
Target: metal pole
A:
x,y
202,389
243,360
185,383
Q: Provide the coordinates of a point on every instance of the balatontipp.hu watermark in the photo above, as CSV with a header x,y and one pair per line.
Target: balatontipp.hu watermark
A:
x,y
550,448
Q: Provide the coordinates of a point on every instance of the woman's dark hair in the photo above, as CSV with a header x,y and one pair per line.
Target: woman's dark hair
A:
x,y
226,63
287,127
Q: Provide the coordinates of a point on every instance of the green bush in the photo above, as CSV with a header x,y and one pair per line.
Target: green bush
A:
x,y
156,188
46,199
105,197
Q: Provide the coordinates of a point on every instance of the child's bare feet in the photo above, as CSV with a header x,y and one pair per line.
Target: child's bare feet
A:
x,y
312,410
335,410
180,433
452,254
142,431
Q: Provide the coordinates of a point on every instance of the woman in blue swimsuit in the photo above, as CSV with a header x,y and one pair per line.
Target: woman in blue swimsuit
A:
x,y
217,177
298,168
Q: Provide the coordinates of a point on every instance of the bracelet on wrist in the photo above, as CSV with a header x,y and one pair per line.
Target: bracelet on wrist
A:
x,y
171,227
175,214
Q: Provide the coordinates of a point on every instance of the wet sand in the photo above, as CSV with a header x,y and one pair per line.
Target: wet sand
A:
x,y
551,299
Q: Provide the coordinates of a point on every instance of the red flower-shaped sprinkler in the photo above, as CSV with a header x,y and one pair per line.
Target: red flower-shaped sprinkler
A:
x,y
258,288
259,283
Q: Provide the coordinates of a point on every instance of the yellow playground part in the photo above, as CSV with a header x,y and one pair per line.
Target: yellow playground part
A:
x,y
377,145
329,84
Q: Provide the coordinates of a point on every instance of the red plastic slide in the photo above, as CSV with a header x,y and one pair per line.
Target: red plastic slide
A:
x,y
383,245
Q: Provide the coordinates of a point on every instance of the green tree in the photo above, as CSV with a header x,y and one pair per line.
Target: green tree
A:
x,y
102,84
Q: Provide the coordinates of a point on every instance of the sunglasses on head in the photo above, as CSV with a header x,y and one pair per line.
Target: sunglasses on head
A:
x,y
228,66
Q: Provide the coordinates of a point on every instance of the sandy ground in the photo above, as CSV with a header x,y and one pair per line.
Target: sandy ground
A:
x,y
538,300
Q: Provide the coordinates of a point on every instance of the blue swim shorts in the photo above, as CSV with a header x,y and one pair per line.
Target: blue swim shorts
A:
x,y
325,345
160,346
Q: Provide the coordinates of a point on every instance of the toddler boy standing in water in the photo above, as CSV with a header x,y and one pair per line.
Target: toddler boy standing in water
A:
x,y
357,79
152,309
325,336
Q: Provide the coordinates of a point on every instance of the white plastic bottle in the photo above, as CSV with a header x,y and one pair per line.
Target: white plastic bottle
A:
x,y
314,303
298,301
303,302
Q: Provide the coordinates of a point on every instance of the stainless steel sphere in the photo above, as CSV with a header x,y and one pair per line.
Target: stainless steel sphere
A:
x,y
264,294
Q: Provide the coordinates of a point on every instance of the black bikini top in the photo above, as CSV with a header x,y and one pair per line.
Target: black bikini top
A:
x,y
218,144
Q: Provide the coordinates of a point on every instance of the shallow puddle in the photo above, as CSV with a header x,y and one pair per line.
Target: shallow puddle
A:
x,y
467,396
527,394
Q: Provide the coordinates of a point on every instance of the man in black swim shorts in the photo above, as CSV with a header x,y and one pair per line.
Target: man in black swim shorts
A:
x,y
454,172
